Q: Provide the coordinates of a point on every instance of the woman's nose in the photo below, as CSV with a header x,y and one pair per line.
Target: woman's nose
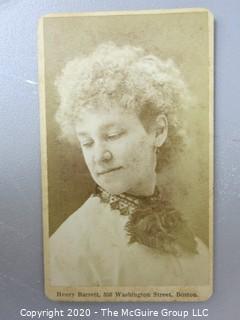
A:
x,y
102,154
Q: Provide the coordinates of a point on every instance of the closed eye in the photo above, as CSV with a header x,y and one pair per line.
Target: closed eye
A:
x,y
86,143
115,135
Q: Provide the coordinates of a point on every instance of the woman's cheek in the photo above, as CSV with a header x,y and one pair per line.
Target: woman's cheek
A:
x,y
119,149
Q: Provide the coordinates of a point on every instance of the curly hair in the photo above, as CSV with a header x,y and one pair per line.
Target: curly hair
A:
x,y
135,80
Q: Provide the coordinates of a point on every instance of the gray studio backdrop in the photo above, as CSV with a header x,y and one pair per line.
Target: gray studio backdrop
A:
x,y
21,264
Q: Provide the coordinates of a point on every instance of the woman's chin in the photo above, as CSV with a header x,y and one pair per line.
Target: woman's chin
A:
x,y
114,188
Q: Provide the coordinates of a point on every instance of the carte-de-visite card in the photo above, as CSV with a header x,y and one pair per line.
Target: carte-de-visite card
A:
x,y
127,155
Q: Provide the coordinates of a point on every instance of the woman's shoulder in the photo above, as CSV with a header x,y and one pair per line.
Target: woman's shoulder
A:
x,y
79,218
196,266
91,219
202,249
75,228
191,268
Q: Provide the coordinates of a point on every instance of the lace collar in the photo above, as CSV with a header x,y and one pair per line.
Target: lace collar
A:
x,y
126,203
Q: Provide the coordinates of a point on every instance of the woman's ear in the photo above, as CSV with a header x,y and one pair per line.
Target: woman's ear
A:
x,y
161,130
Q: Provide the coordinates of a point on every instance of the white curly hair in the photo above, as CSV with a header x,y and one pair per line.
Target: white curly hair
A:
x,y
135,80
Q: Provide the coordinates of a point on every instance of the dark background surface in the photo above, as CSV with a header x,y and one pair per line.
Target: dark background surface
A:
x,y
21,266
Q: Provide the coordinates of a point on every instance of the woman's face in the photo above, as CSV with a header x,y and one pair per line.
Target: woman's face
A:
x,y
118,151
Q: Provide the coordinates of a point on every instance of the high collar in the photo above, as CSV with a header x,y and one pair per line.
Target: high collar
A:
x,y
126,203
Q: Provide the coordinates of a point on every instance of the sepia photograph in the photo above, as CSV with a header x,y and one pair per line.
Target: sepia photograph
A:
x,y
127,155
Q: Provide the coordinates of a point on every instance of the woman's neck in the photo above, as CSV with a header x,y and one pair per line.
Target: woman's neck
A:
x,y
145,188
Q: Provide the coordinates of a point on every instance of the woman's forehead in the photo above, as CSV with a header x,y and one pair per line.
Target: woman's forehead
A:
x,y
106,118
106,112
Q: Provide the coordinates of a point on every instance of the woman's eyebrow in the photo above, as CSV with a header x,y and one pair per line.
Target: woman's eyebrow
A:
x,y
102,129
82,133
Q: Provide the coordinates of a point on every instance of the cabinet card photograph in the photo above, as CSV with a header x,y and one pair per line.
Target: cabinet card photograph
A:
x,y
127,155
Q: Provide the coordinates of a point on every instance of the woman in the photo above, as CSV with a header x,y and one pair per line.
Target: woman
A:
x,y
125,110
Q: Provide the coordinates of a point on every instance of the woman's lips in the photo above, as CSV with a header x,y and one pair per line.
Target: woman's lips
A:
x,y
108,171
